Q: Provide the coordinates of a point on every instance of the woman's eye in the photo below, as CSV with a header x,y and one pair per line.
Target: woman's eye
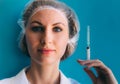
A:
x,y
38,29
57,29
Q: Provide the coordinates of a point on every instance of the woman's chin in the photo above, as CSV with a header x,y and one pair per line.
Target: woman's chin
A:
x,y
45,61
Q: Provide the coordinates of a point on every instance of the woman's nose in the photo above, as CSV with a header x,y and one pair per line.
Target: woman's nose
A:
x,y
47,37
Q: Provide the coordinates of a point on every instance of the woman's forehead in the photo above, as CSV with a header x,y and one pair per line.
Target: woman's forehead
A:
x,y
49,15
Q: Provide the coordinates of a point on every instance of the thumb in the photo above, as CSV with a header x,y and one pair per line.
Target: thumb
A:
x,y
91,74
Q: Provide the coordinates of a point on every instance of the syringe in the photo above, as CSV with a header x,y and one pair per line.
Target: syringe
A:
x,y
88,42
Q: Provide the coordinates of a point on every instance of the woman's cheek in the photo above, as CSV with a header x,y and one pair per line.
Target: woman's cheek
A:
x,y
61,45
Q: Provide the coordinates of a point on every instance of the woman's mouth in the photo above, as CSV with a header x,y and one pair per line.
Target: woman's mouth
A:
x,y
46,51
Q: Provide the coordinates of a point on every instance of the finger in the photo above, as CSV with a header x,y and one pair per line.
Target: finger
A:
x,y
91,75
80,61
103,70
94,63
99,66
84,62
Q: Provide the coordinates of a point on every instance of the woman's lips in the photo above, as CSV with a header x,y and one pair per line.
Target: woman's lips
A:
x,y
46,51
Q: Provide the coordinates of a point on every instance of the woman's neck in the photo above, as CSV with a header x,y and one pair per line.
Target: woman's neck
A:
x,y
40,74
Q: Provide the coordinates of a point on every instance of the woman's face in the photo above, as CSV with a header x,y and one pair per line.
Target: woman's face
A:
x,y
47,35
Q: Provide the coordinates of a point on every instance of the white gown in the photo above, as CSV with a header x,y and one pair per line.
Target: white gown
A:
x,y
21,78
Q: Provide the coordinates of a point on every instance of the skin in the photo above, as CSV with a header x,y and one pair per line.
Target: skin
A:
x,y
47,35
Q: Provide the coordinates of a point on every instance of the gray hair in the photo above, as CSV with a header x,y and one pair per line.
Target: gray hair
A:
x,y
73,24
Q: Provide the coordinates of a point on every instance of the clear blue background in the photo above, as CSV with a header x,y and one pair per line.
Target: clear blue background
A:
x,y
103,16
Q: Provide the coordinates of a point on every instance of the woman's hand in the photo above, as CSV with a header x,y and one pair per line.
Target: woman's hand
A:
x,y
104,74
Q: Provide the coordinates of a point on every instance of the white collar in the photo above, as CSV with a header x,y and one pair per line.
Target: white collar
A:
x,y
22,79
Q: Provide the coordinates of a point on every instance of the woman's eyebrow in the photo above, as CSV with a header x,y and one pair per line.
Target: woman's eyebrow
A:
x,y
59,23
36,22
